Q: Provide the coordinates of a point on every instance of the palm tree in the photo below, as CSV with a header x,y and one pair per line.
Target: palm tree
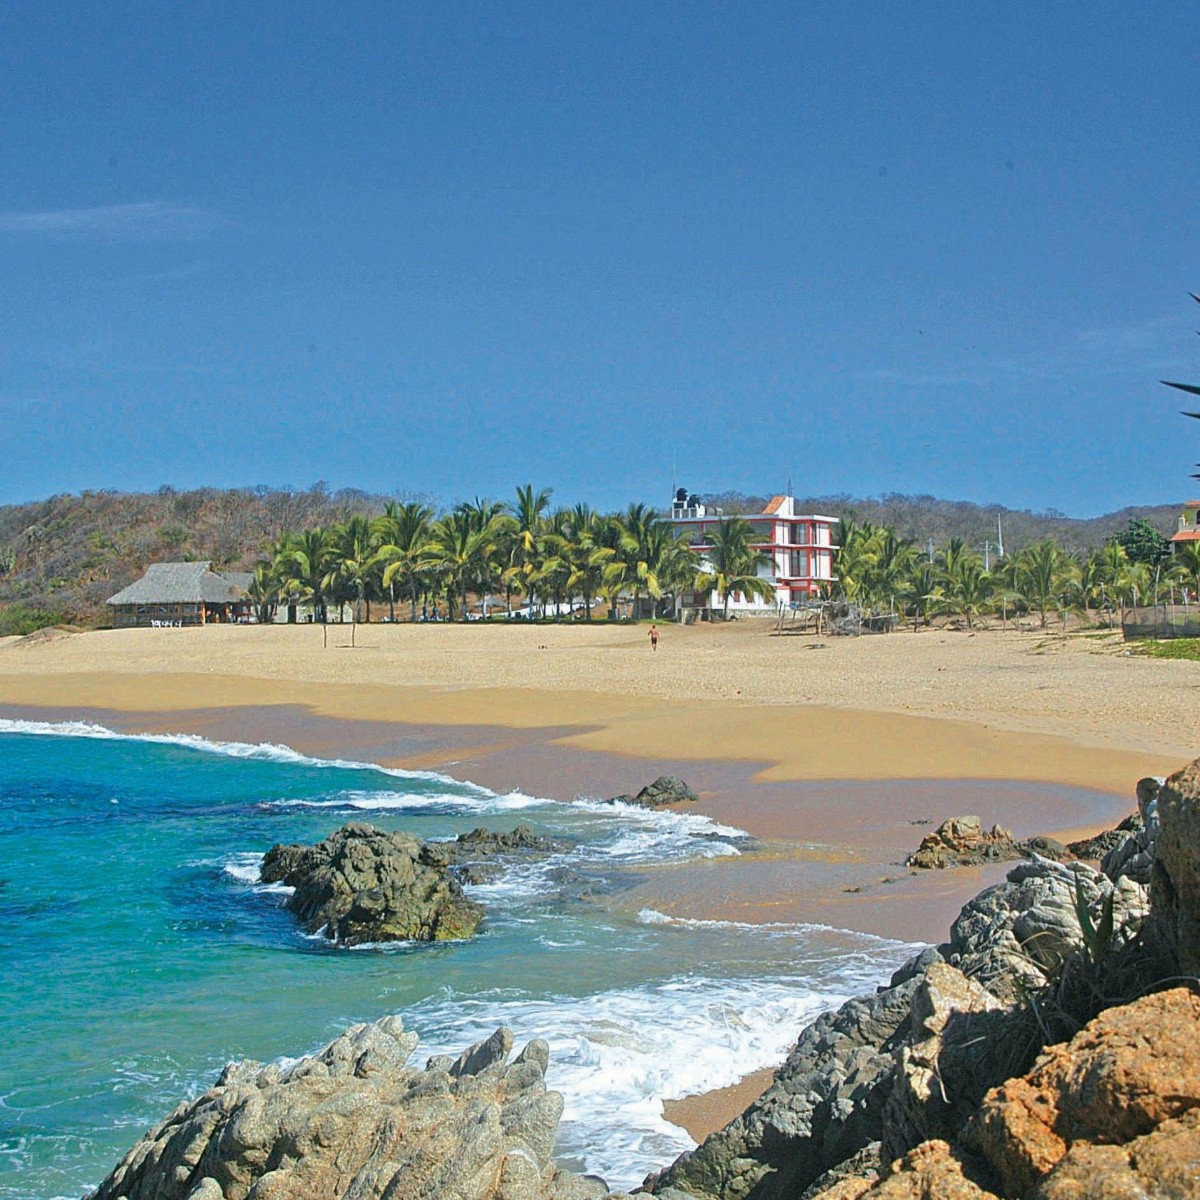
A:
x,y
264,591
459,549
923,587
733,562
1043,572
524,552
301,561
968,587
352,561
405,532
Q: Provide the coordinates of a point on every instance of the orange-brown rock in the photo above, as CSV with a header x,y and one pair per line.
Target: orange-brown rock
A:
x,y
1129,1071
930,1172
1164,1164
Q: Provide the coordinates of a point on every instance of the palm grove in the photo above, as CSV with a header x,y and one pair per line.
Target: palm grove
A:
x,y
550,560
558,561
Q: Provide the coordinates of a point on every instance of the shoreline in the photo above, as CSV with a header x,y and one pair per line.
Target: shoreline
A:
x,y
835,793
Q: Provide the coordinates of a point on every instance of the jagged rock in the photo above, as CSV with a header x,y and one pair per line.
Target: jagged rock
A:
x,y
1128,1073
961,841
956,1049
1113,1114
1133,857
666,789
362,884
825,1104
848,1179
485,843
1096,848
1018,933
1175,879
355,1122
931,1171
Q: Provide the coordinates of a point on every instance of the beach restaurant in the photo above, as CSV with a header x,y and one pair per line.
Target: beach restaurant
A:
x,y
183,593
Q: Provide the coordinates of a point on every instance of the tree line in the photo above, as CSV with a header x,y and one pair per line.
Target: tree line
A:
x,y
560,562
555,561
883,573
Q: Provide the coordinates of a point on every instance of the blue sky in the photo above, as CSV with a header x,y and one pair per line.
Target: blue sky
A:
x,y
448,249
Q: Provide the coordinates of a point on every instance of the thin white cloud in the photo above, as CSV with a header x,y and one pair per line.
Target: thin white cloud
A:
x,y
153,220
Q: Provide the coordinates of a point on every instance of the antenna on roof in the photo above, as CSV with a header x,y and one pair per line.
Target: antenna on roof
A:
x,y
789,491
674,472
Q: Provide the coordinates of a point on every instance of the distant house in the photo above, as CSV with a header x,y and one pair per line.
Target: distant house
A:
x,y
1189,525
183,593
798,548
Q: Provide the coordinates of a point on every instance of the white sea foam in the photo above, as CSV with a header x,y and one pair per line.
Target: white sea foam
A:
x,y
266,751
618,1055
448,802
647,835
246,869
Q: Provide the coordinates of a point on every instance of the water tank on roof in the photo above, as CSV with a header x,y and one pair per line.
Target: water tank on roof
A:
x,y
693,500
681,495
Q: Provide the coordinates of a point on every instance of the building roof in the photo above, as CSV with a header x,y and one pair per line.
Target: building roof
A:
x,y
1186,535
183,583
774,504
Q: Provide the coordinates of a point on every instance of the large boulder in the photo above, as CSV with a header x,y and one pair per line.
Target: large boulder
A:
x,y
356,1122
666,789
961,841
955,1049
362,884
1017,934
1175,880
1127,1074
1114,1113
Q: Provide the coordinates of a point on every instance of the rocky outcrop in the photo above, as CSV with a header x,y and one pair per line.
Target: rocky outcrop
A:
x,y
666,789
1017,934
1133,856
356,1122
1132,1069
485,843
913,1062
1175,878
362,884
962,842
1113,1113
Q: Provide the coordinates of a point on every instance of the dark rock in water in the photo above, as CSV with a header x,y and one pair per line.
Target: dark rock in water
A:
x,y
362,884
483,843
666,789
356,1122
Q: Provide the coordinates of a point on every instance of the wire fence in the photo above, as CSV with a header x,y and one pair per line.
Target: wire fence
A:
x,y
1161,623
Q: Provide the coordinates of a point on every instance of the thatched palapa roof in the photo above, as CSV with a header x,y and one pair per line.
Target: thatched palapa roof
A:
x,y
184,583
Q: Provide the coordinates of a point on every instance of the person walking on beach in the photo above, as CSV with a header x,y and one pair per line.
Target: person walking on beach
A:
x,y
653,637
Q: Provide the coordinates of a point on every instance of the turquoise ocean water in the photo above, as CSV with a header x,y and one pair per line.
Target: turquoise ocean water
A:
x,y
138,954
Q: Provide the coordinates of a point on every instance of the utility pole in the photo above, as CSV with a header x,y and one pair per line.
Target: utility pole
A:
x,y
987,555
931,549
999,537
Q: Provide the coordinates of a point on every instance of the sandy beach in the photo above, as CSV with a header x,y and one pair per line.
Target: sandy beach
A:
x,y
834,753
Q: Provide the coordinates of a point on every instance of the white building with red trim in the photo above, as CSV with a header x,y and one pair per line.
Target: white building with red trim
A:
x,y
799,547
